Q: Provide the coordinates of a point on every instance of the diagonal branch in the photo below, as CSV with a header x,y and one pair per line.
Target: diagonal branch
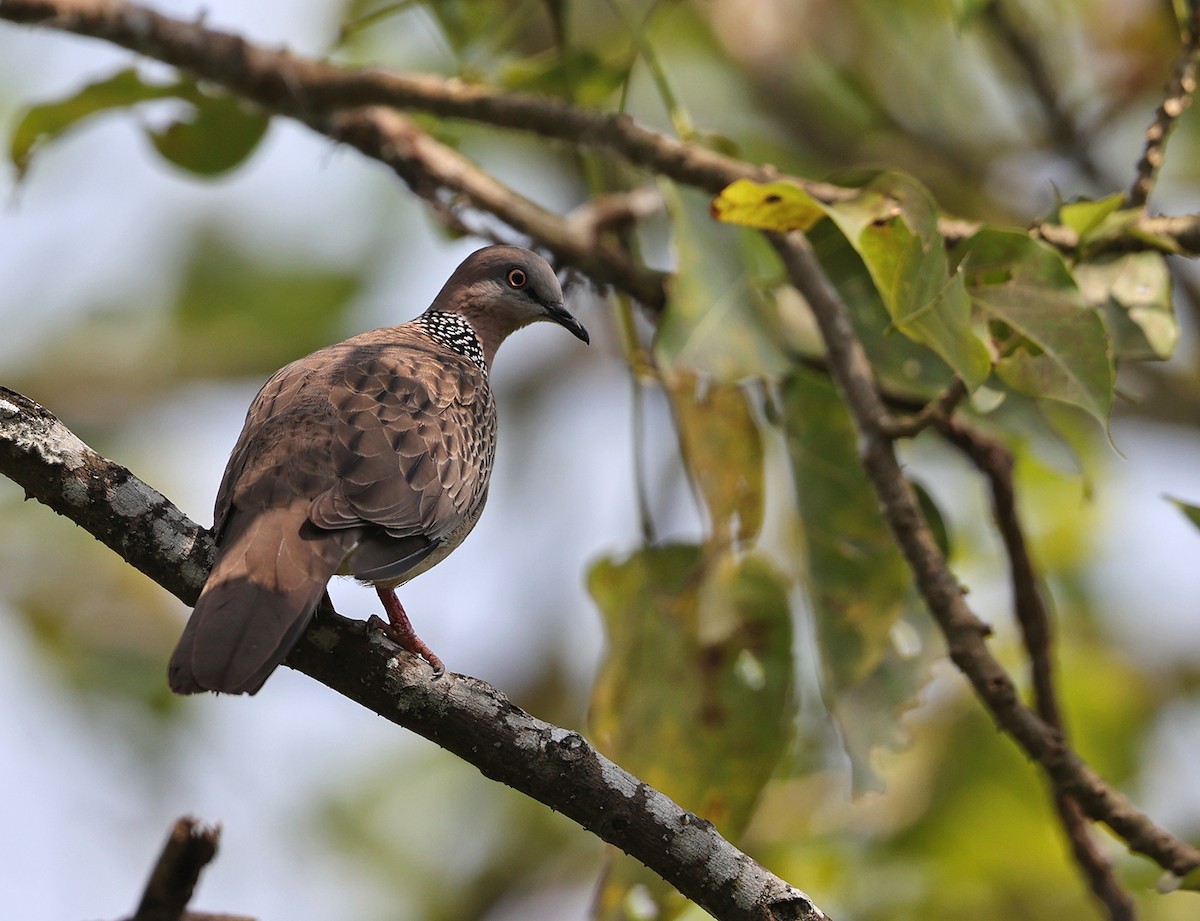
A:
x,y
965,633
472,719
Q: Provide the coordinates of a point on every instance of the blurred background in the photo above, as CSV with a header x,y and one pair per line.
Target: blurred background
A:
x,y
145,306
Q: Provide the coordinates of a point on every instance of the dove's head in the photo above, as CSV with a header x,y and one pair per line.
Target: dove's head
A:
x,y
500,289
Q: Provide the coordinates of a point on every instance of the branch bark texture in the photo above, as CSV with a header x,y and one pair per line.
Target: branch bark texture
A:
x,y
466,716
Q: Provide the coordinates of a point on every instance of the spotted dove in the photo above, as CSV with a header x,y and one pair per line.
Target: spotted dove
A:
x,y
368,458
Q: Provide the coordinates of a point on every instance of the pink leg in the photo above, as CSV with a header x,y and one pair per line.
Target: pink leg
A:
x,y
401,631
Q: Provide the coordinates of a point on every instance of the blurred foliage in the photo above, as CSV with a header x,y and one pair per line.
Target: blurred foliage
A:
x,y
694,696
218,133
792,606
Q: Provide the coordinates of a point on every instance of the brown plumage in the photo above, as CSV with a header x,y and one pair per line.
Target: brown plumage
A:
x,y
368,458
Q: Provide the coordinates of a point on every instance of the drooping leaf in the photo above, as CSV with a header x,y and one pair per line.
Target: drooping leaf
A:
x,y
901,365
695,692
715,321
892,224
1192,512
857,583
1050,344
722,449
43,123
220,132
778,206
1134,292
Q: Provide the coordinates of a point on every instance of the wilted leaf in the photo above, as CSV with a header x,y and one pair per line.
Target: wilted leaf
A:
x,y
1134,291
722,450
1191,511
43,123
221,132
776,206
1049,343
857,582
715,319
892,224
695,692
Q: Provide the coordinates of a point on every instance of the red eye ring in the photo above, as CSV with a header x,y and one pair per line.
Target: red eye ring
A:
x,y
517,278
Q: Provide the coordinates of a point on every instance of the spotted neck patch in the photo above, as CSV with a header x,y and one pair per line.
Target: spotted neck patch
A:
x,y
455,333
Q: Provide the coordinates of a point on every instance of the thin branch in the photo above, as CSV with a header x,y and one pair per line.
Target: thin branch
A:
x,y
964,631
1177,96
995,462
463,715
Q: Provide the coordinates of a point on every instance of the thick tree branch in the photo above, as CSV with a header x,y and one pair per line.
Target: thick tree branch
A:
x,y
463,715
965,633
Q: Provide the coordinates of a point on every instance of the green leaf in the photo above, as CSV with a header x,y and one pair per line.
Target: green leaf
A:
x,y
1191,511
857,581
43,123
1049,343
694,695
722,449
1085,216
1134,292
220,133
715,320
892,224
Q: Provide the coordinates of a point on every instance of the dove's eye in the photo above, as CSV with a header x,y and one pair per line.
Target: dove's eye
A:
x,y
517,278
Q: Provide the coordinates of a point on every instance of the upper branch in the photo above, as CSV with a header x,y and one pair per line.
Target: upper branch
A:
x,y
463,715
313,91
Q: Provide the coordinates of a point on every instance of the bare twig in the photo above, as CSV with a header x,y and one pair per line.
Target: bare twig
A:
x,y
1177,96
939,408
463,715
964,632
189,848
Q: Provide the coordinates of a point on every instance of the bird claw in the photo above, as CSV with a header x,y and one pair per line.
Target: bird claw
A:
x,y
408,640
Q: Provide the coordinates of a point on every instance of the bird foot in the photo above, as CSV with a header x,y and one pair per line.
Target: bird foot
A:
x,y
399,630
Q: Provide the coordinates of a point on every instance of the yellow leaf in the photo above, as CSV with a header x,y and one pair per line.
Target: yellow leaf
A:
x,y
779,206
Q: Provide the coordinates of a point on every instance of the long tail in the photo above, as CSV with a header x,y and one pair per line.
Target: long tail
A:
x,y
270,573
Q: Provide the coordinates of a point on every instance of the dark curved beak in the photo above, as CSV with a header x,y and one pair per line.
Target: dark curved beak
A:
x,y
558,313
